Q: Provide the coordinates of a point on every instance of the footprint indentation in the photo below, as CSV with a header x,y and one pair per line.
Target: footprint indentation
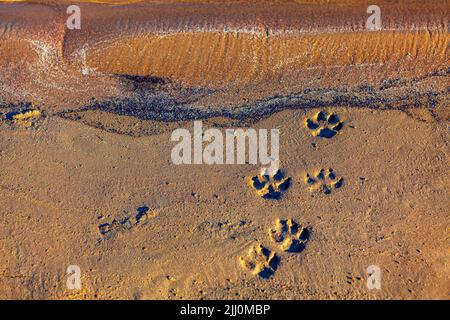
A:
x,y
324,124
270,186
260,261
324,181
106,229
289,235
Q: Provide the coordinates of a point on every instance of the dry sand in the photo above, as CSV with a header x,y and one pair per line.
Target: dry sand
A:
x,y
98,150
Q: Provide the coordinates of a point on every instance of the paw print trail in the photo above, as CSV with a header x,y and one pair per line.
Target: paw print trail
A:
x,y
323,181
324,125
260,261
270,187
289,235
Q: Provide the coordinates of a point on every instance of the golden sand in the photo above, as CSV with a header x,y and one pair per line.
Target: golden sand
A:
x,y
364,153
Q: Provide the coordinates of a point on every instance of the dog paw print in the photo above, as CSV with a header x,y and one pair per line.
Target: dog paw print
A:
x,y
260,261
289,235
270,186
324,181
325,125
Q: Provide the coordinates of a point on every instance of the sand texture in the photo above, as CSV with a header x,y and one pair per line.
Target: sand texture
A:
x,y
86,176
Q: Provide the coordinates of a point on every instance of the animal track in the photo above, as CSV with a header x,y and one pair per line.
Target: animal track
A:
x,y
260,261
325,125
289,235
324,181
270,187
107,229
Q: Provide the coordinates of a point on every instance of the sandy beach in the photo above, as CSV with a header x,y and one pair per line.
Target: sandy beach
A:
x,y
87,119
